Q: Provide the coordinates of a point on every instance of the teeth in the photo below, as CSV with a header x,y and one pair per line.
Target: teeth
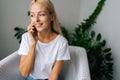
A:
x,y
41,23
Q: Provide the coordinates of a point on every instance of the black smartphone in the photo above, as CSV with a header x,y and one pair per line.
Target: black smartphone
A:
x,y
35,31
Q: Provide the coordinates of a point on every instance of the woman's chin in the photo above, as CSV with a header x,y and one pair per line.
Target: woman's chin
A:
x,y
40,30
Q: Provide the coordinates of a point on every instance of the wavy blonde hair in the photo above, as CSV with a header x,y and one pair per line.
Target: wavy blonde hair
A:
x,y
50,7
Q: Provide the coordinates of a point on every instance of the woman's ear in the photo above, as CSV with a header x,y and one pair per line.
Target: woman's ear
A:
x,y
52,17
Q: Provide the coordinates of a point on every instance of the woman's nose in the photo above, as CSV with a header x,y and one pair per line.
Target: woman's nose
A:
x,y
37,19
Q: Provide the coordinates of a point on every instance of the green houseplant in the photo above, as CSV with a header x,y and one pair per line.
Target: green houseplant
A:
x,y
99,57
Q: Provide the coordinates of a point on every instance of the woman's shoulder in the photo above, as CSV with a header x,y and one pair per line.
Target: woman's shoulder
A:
x,y
61,38
25,36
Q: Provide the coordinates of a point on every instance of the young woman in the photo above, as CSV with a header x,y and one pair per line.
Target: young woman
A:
x,y
43,49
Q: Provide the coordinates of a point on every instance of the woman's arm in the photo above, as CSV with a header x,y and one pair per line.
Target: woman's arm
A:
x,y
27,61
56,70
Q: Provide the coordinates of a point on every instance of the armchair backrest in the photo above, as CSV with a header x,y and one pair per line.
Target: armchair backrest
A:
x,y
77,68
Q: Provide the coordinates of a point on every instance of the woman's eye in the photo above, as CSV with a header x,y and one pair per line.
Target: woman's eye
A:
x,y
42,14
31,15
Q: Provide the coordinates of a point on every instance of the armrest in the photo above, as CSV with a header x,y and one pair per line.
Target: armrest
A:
x,y
9,68
77,68
84,66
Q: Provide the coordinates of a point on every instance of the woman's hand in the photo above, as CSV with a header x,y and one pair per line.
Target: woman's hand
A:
x,y
33,33
56,70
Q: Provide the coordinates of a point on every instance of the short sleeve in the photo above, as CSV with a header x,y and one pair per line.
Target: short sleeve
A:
x,y
24,46
63,53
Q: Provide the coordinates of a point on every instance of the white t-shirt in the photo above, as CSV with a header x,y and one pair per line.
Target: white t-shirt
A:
x,y
46,54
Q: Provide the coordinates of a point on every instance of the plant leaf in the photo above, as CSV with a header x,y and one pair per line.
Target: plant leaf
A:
x,y
98,37
92,34
107,50
103,43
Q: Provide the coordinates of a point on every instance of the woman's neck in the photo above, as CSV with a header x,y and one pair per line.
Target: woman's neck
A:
x,y
46,37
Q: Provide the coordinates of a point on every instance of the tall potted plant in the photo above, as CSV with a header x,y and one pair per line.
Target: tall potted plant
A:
x,y
99,57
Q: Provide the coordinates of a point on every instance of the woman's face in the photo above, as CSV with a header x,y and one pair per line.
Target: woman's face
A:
x,y
40,17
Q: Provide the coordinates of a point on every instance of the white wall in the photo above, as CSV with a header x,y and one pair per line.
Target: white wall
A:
x,y
68,12
108,24
12,14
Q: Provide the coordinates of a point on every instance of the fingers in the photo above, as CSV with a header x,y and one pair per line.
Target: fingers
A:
x,y
31,32
31,28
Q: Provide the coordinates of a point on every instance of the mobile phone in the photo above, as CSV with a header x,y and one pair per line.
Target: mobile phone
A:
x,y
35,31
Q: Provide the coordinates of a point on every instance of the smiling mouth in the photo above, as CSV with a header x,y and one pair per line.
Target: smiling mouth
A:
x,y
39,25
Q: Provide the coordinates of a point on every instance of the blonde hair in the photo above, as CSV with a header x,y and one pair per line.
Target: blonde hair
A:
x,y
50,7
